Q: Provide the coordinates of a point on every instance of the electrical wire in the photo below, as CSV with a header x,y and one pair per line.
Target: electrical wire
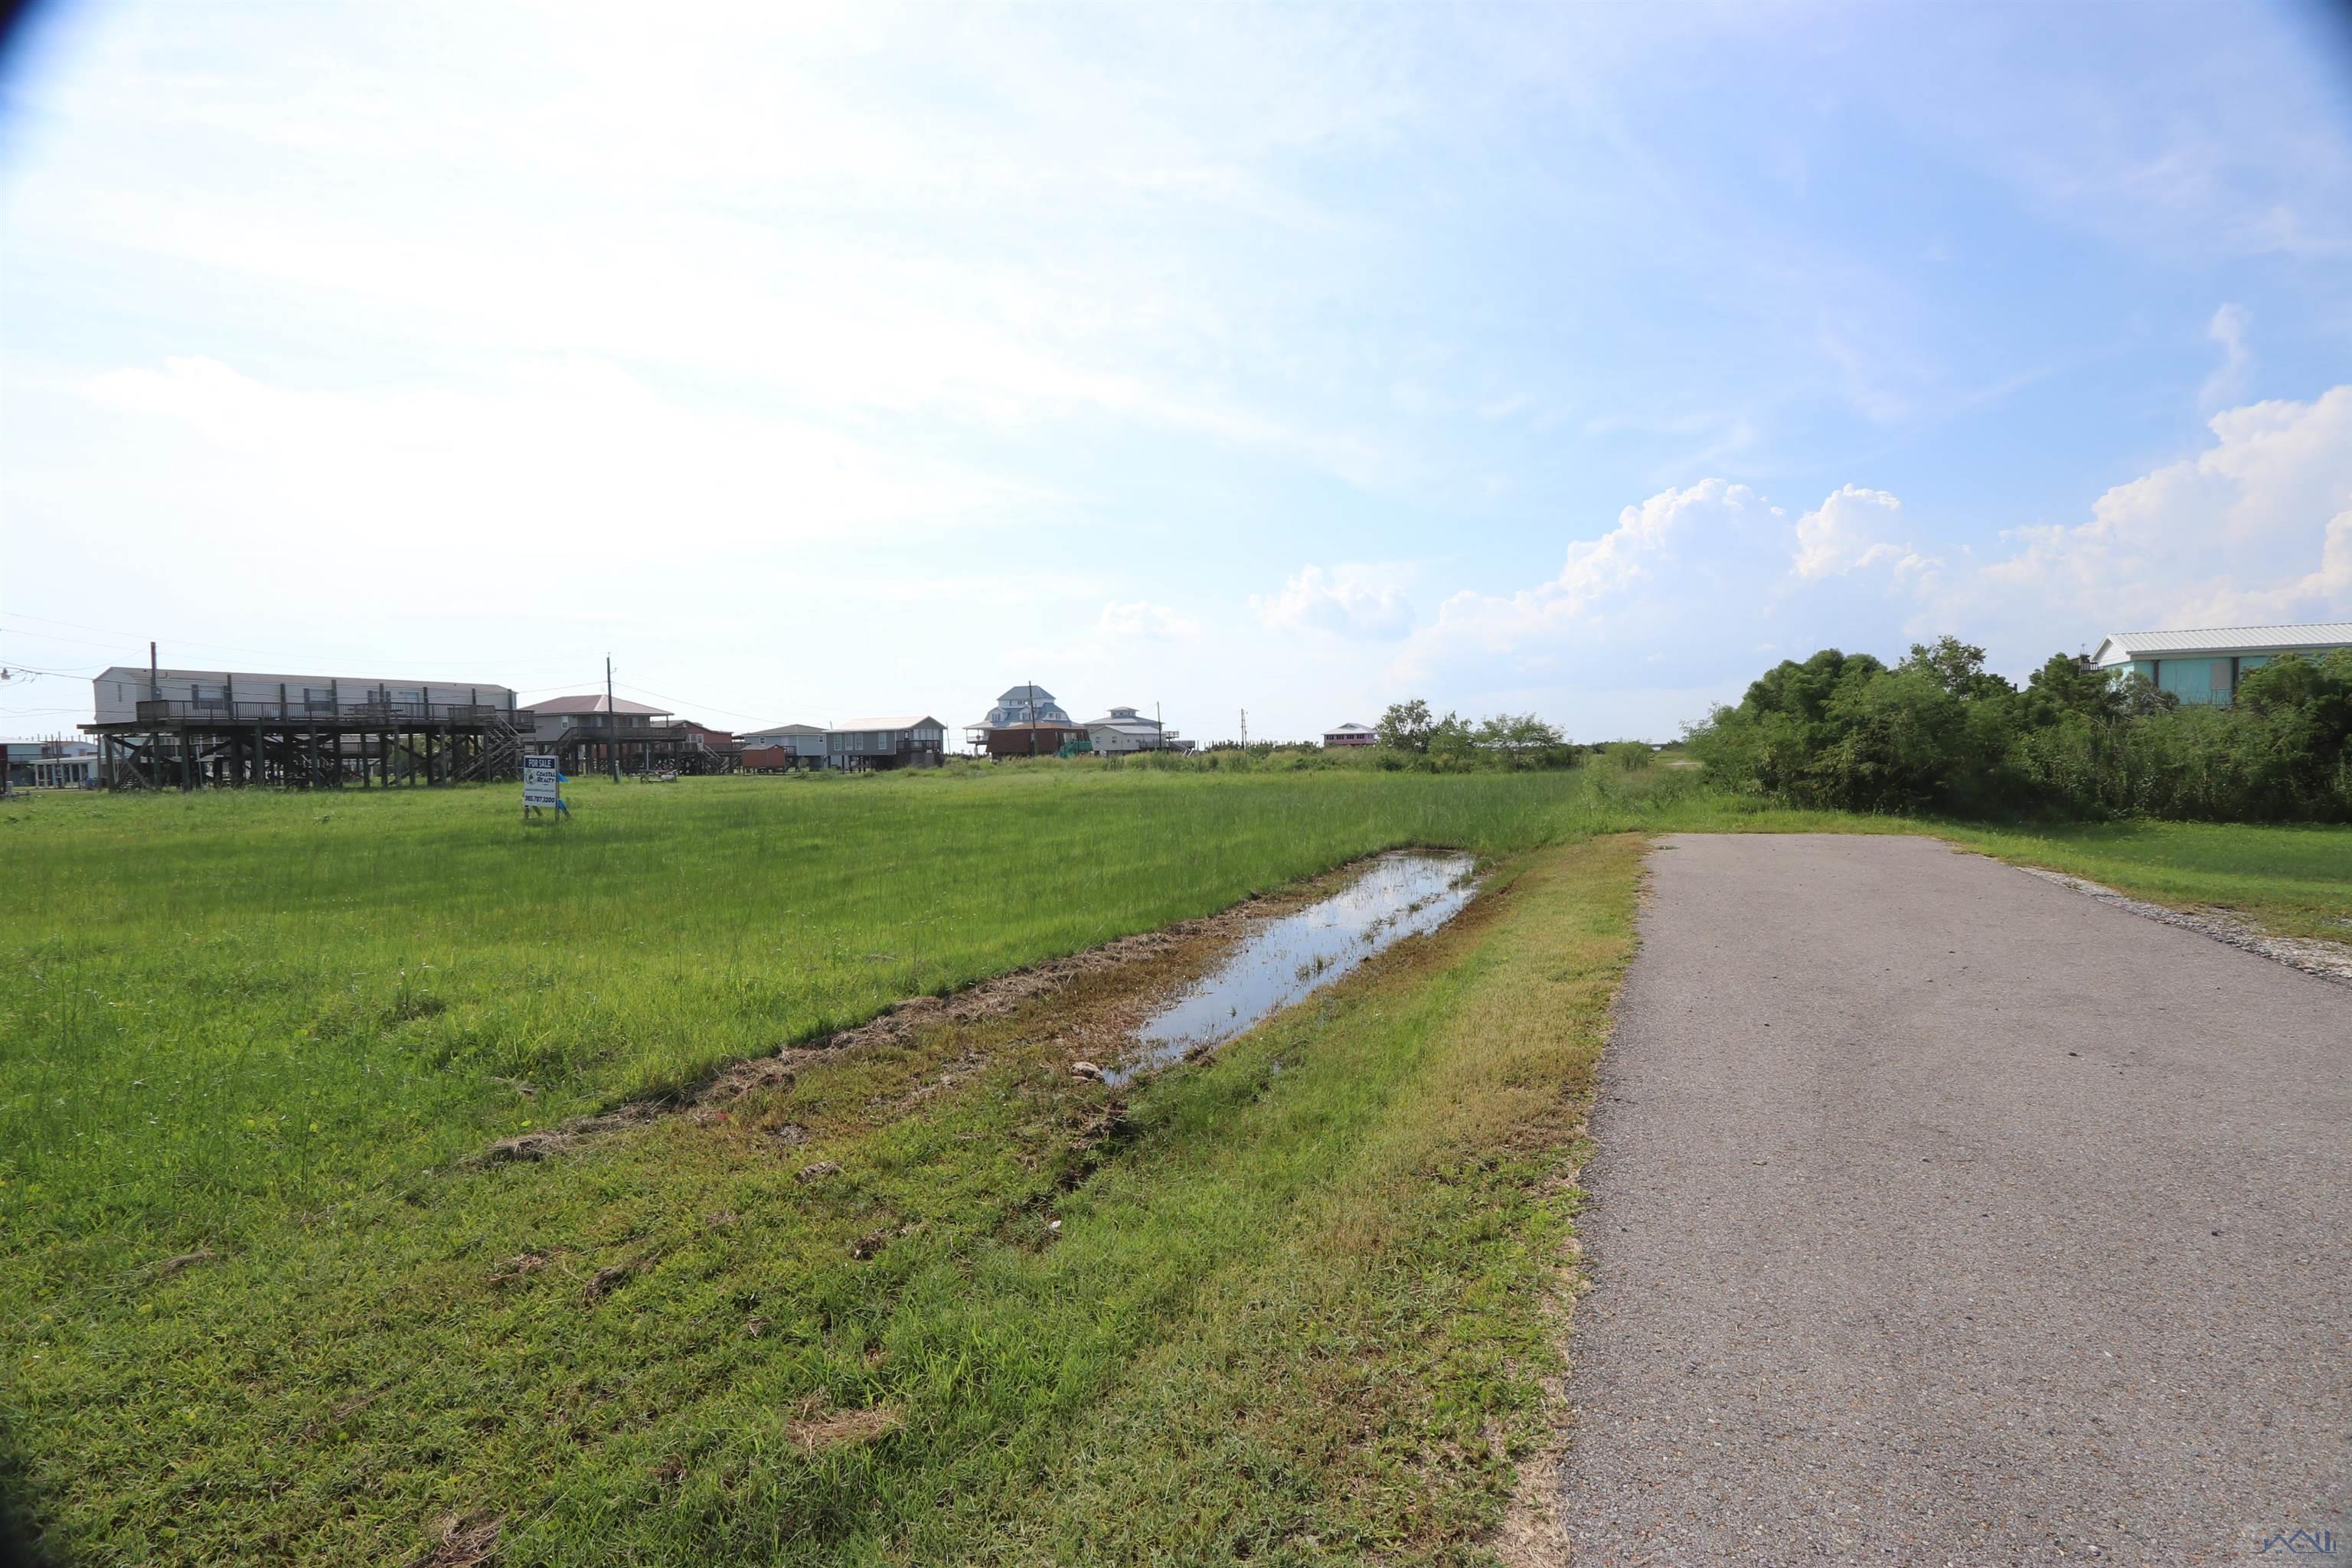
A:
x,y
184,642
685,702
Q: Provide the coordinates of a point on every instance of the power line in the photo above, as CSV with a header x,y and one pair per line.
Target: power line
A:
x,y
192,642
688,702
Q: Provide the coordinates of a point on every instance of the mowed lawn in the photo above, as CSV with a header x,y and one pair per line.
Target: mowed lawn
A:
x,y
256,1032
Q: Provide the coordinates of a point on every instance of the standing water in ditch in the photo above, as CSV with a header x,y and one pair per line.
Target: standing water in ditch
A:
x,y
1399,896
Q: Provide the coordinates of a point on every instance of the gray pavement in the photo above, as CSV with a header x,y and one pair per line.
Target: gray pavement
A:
x,y
1945,1215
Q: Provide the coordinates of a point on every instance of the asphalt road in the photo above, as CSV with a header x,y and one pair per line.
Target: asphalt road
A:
x,y
1945,1215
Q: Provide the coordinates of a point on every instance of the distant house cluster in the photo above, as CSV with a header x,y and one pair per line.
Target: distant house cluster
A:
x,y
193,728
1028,723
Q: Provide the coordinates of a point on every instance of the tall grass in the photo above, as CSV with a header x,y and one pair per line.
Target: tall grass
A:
x,y
219,1007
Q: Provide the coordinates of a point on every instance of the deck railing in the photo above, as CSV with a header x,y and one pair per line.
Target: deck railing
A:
x,y
220,710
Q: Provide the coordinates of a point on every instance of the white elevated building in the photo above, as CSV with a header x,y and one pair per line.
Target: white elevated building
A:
x,y
1123,729
195,728
240,696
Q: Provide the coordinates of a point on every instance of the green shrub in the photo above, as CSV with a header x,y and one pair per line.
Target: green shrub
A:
x,y
1936,732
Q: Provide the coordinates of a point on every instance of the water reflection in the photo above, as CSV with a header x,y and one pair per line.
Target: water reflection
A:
x,y
1397,896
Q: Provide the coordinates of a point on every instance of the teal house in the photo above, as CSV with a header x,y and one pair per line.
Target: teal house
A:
x,y
2204,666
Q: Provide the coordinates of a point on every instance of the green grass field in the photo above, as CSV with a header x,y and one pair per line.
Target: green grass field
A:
x,y
1295,1309
2296,880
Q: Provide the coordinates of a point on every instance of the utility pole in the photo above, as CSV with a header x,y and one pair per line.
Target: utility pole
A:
x,y
1245,729
612,721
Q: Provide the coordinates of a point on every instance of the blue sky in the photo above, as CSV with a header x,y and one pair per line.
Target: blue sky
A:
x,y
818,362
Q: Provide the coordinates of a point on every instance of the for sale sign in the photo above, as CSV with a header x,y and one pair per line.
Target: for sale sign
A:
x,y
543,786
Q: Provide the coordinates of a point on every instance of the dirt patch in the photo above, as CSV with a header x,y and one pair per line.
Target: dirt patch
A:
x,y
2328,959
521,1265
557,1140
171,1266
830,1429
606,1281
1101,1030
465,1540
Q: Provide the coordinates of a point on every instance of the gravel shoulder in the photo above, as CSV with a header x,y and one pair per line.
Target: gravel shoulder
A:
x,y
1946,1216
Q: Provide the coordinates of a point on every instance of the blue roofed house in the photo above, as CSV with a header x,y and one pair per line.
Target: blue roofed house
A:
x,y
2204,666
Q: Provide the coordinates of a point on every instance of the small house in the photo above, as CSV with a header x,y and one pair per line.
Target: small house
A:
x,y
1350,735
52,765
1123,729
780,748
897,741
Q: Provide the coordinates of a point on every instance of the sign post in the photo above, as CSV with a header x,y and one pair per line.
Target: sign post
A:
x,y
542,788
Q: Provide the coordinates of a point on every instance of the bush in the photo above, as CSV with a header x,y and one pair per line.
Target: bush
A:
x,y
1936,732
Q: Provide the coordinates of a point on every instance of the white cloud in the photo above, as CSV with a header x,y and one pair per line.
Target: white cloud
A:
x,y
1701,528
1849,532
2256,527
574,451
1142,618
2228,329
1352,601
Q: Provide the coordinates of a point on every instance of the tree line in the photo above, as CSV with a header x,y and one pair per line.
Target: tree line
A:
x,y
1938,732
1409,735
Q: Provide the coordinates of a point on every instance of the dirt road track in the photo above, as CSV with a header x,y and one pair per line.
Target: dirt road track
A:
x,y
1945,1215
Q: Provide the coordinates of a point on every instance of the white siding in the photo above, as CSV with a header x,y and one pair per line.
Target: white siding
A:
x,y
115,695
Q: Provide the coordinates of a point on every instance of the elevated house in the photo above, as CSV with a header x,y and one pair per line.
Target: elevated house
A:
x,y
781,748
1350,735
191,728
53,764
1123,729
1025,722
592,732
2205,667
894,741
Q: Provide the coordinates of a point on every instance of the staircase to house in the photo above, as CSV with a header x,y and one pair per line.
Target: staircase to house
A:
x,y
501,753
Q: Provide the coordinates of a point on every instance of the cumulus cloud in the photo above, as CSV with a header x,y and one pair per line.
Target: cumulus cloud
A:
x,y
1142,618
2256,527
1846,532
1354,600
1666,560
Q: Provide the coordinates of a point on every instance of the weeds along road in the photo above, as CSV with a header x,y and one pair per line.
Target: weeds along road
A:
x,y
1943,1216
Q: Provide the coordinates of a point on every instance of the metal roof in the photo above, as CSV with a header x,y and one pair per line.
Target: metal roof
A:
x,y
787,729
887,721
2122,648
599,703
1348,729
137,674
1030,693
